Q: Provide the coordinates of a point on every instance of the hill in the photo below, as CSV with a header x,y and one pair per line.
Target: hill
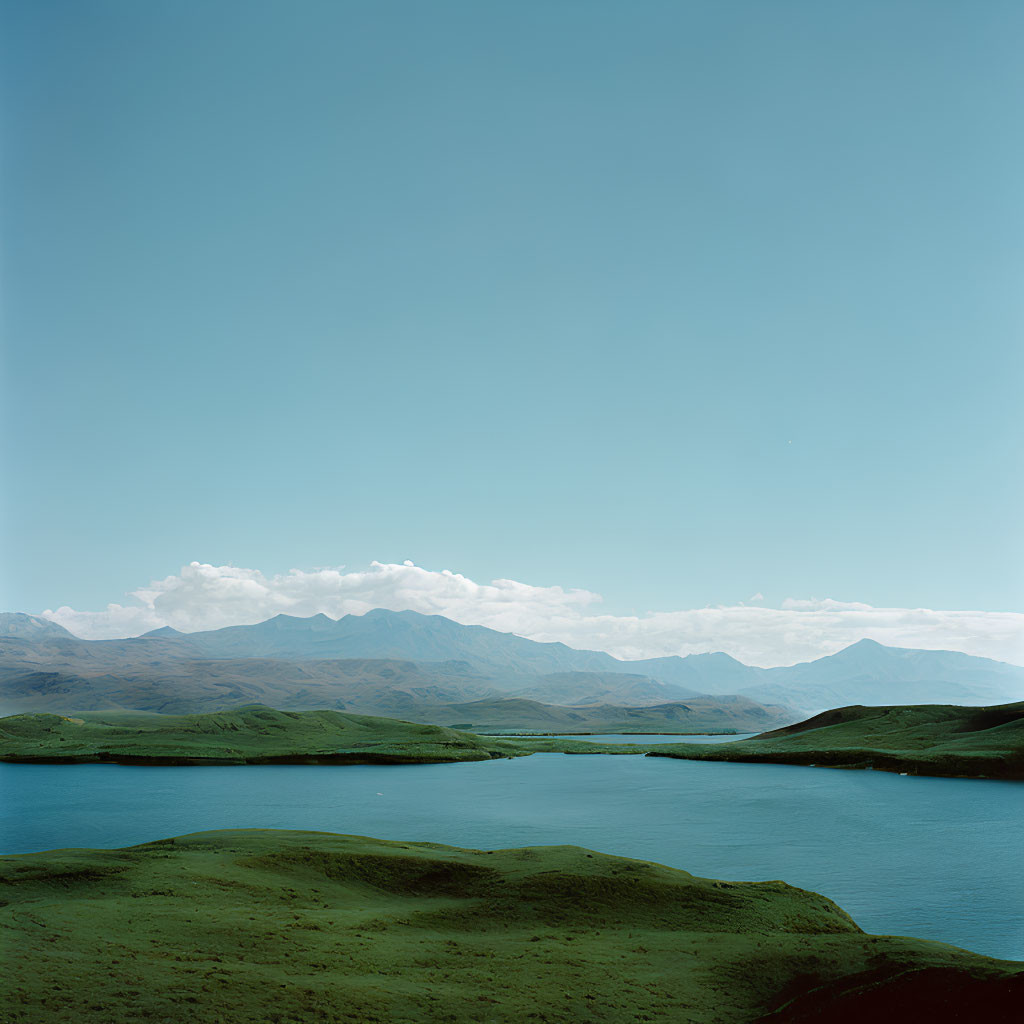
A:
x,y
922,740
256,734
249,735
236,927
933,739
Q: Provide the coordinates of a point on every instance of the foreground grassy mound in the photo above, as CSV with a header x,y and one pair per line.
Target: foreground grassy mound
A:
x,y
925,739
248,735
288,927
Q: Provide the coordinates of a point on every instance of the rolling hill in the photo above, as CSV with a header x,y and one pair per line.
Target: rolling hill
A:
x,y
924,739
249,735
235,927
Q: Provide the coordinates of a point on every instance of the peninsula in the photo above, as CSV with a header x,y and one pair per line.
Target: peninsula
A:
x,y
922,739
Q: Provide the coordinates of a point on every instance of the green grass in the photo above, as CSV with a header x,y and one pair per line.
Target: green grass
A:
x,y
250,927
920,739
926,739
260,735
247,735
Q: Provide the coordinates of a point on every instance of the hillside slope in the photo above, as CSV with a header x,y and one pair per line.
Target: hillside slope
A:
x,y
239,927
250,735
934,739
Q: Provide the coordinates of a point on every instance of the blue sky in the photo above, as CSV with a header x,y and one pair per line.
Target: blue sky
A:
x,y
673,302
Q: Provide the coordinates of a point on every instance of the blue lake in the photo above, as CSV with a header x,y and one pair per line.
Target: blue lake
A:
x,y
934,858
674,737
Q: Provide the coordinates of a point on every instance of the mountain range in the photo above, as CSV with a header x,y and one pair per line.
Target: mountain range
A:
x,y
430,668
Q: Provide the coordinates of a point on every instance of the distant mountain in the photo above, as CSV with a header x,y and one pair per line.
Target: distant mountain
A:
x,y
105,679
701,714
474,662
30,627
385,634
169,672
440,693
871,673
601,688
866,672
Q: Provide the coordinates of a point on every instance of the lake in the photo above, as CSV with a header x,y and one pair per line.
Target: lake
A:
x,y
674,737
933,858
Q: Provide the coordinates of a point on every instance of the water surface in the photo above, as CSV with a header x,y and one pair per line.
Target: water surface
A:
x,y
645,737
934,858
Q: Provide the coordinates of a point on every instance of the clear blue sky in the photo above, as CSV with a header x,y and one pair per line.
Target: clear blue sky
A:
x,y
675,301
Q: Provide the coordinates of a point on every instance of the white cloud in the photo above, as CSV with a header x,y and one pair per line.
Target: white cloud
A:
x,y
208,597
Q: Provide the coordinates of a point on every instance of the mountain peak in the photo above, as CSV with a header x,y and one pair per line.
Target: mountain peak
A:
x,y
713,657
30,627
298,621
163,631
866,644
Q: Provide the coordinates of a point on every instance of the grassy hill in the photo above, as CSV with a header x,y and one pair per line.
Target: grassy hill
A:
x,y
928,739
240,927
248,735
921,740
256,734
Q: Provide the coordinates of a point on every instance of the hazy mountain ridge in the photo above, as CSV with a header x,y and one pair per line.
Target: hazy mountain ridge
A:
x,y
19,624
387,661
868,672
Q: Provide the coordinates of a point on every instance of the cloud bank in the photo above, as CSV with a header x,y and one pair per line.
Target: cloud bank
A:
x,y
210,596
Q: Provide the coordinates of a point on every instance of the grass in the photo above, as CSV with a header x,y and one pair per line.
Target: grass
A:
x,y
249,735
929,739
250,927
926,739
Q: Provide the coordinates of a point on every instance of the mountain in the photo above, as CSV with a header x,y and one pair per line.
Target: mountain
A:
x,y
170,672
106,679
866,672
163,631
288,659
871,673
442,693
30,627
697,715
601,688
385,634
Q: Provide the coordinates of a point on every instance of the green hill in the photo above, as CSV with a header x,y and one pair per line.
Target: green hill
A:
x,y
255,734
249,735
240,927
927,739
923,740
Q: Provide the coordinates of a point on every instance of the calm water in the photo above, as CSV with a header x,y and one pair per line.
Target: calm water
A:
x,y
674,737
934,858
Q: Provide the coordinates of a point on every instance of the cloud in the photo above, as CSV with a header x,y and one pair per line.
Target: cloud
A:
x,y
207,597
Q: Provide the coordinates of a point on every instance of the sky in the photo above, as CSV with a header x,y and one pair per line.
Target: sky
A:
x,y
687,305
